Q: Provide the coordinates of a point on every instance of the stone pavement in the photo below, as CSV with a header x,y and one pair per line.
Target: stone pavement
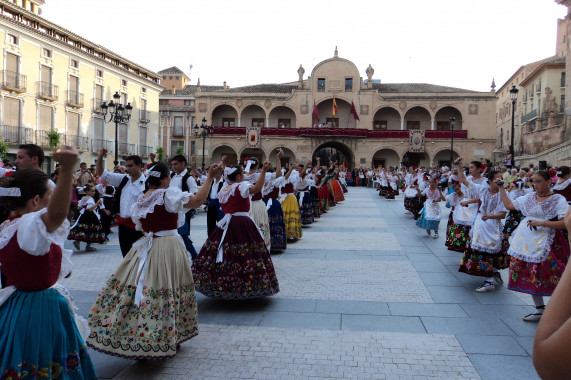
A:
x,y
365,294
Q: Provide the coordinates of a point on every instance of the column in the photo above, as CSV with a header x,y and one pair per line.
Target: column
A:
x,y
402,124
432,125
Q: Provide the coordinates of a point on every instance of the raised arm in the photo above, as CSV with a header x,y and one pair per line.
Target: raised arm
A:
x,y
506,199
279,156
551,356
461,175
99,165
200,196
261,179
58,206
291,167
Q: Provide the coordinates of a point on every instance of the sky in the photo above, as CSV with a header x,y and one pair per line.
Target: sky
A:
x,y
456,43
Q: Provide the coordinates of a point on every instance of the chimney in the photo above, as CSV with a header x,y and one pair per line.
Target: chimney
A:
x,y
173,91
224,85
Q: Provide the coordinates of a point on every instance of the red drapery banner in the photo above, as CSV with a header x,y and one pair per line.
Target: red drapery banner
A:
x,y
315,115
354,112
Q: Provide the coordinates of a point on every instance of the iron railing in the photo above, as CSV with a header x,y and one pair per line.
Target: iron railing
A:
x,y
126,149
74,99
144,116
97,144
97,105
529,116
145,150
16,135
13,81
78,142
47,91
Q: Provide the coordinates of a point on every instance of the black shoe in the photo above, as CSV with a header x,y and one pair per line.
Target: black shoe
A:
x,y
498,278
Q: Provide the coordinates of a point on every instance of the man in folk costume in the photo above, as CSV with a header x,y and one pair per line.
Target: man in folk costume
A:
x,y
214,212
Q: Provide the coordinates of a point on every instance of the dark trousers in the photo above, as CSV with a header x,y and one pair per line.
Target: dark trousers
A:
x,y
127,236
184,233
213,215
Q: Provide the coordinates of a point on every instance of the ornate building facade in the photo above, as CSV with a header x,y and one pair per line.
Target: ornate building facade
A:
x,y
375,123
55,80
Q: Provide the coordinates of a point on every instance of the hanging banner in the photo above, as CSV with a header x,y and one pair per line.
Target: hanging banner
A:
x,y
253,137
416,141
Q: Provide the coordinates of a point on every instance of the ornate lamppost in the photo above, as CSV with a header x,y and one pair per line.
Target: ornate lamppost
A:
x,y
203,132
513,96
452,124
118,113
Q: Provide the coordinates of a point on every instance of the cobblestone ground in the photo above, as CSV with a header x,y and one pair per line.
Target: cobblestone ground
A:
x,y
363,295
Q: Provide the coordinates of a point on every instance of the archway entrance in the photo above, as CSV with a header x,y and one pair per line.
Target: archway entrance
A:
x,y
334,151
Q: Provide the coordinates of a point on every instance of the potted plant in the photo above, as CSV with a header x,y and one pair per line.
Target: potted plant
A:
x,y
160,153
53,138
179,150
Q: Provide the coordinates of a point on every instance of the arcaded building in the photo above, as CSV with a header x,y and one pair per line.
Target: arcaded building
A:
x,y
376,123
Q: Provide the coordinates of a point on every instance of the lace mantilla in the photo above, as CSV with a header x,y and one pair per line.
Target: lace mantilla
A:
x,y
227,191
7,231
146,205
562,186
252,178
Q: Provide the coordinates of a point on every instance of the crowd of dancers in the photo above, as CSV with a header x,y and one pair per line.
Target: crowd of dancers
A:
x,y
532,242
147,308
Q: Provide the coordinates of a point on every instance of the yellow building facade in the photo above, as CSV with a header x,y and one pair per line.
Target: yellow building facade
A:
x,y
53,79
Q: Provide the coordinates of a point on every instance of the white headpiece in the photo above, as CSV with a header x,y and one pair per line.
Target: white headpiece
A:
x,y
10,192
249,164
154,173
228,170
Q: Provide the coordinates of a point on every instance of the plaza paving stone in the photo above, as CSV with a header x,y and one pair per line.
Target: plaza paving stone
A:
x,y
365,294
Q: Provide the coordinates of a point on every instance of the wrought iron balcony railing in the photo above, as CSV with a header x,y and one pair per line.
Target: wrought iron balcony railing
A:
x,y
47,91
12,81
126,149
145,150
144,116
74,99
97,144
78,142
16,135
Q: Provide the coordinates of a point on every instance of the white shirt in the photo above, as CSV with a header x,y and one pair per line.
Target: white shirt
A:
x,y
176,181
214,188
130,193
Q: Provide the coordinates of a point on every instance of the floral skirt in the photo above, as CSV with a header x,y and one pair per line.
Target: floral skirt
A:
x,y
410,203
166,316
40,338
246,270
540,278
292,217
457,236
324,197
478,263
306,208
510,224
383,190
316,202
337,191
88,229
277,226
392,193
259,213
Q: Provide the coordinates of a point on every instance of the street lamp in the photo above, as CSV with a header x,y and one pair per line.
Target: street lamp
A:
x,y
205,131
452,123
118,113
513,96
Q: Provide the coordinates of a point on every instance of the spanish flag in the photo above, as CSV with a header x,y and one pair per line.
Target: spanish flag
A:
x,y
334,108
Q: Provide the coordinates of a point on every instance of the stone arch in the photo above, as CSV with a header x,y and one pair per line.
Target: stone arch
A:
x,y
388,116
442,118
281,112
442,156
386,157
223,149
288,157
343,119
252,152
338,149
417,117
252,115
224,111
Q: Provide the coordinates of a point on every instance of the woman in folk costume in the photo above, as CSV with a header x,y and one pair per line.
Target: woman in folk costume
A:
x,y
314,191
384,185
483,255
88,226
302,186
410,192
292,214
538,249
336,190
513,217
458,229
40,338
430,214
563,185
234,263
148,306
271,194
393,189
258,210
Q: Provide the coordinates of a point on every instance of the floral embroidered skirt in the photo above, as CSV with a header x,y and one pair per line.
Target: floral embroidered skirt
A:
x,y
337,191
88,229
510,224
259,213
316,202
292,217
479,263
324,197
410,203
40,338
391,193
456,236
277,226
540,278
246,270
383,190
166,316
306,208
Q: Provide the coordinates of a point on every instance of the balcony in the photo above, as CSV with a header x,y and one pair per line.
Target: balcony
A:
x,y
78,142
16,135
74,99
230,130
126,149
280,132
97,144
144,116
97,105
529,116
145,150
388,134
177,132
42,138
439,134
333,132
12,81
47,91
